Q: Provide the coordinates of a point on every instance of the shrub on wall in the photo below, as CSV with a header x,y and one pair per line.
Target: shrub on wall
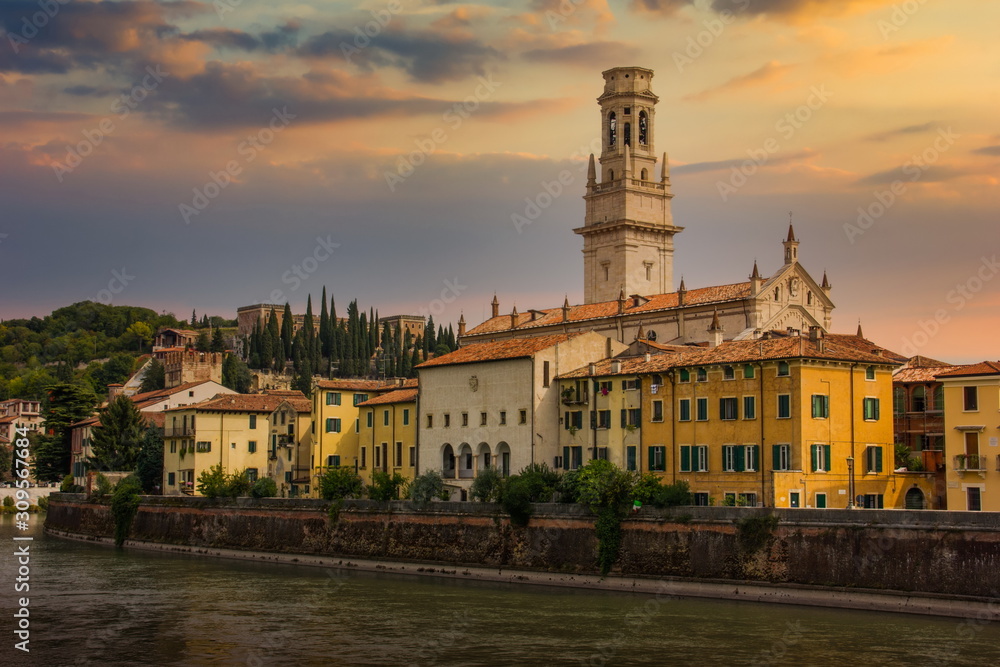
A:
x,y
265,487
426,487
124,505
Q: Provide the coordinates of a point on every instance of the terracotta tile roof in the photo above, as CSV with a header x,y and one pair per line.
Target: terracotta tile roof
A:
x,y
152,418
249,403
982,368
351,384
4,441
398,396
160,394
921,369
511,348
836,347
6,419
605,309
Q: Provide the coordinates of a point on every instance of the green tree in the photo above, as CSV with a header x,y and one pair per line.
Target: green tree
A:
x,y
487,487
117,370
340,483
385,486
124,506
6,458
265,487
217,344
236,375
212,483
287,333
608,491
203,343
149,464
116,442
426,487
155,377
141,333
66,404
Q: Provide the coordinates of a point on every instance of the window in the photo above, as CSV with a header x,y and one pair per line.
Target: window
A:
x,y
573,420
746,500
503,417
898,401
413,456
872,501
974,499
783,369
727,408
333,398
482,419
749,407
370,419
630,385
288,477
603,418
357,425
385,418
701,499
358,398
378,455
522,417
572,457
728,373
631,417
333,460
657,458
784,406
781,457
871,409
937,403
739,458
702,375
918,400
406,416
252,446
657,411
873,459
173,448
447,420
545,374
821,501
171,478
748,371
684,410
332,425
399,454
364,457
820,406
684,375
971,398
702,406
465,419
603,388
630,462
204,446
870,373
694,458
820,458
253,421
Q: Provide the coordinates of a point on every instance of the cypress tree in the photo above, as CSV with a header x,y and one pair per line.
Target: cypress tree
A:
x,y
287,332
324,327
429,341
273,334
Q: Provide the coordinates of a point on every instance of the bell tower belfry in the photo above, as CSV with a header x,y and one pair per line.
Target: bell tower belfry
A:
x,y
628,227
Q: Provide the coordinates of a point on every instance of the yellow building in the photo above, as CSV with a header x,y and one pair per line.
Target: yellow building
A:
x,y
268,435
788,420
972,436
336,420
388,435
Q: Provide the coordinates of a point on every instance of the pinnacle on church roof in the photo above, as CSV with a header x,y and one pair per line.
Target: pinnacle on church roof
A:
x,y
860,333
641,334
665,173
566,302
681,287
791,233
715,321
756,273
495,302
826,281
461,318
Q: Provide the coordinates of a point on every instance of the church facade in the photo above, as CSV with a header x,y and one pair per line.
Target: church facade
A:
x,y
628,248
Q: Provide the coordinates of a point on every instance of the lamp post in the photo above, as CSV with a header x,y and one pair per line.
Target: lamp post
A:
x,y
850,482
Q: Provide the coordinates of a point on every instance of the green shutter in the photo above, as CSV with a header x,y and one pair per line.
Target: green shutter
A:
x,y
826,458
566,458
685,458
624,418
652,458
776,457
814,451
739,463
878,459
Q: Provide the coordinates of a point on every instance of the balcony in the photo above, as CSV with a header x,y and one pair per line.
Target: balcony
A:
x,y
286,441
575,398
178,431
970,463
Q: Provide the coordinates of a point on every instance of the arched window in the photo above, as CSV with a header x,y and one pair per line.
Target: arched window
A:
x,y
643,129
777,293
628,134
918,400
809,298
612,129
644,176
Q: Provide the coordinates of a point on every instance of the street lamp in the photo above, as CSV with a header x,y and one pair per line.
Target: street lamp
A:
x,y
850,482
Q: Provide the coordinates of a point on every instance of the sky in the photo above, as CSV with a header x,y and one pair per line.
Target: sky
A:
x,y
207,155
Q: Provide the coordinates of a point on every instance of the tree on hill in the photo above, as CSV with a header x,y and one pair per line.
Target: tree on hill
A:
x,y
115,443
236,375
217,344
141,332
155,377
203,342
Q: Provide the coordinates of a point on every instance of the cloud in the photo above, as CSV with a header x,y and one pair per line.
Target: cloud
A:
x,y
723,165
662,7
906,174
988,150
591,55
767,73
270,41
909,129
427,56
789,11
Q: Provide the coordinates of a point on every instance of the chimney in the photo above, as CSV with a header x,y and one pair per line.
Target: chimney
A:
x,y
715,331
496,306
755,280
649,357
815,333
681,292
621,301
461,325
513,318
616,366
114,391
592,369
565,310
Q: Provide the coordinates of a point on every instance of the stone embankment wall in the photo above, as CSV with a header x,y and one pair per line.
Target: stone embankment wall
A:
x,y
925,552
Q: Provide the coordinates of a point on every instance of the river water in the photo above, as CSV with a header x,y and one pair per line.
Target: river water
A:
x,y
93,604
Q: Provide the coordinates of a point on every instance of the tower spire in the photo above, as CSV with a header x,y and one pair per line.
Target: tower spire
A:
x,y
791,244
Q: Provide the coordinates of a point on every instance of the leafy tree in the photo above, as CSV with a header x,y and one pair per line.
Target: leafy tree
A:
x,y
385,486
212,483
141,332
217,344
203,343
340,483
124,506
117,370
66,404
236,375
487,487
116,442
149,464
608,491
265,487
516,500
155,377
426,487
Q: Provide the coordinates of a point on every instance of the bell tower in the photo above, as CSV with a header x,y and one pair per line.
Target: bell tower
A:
x,y
628,227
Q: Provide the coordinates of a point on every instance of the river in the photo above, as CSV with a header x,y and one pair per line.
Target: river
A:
x,y
95,604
